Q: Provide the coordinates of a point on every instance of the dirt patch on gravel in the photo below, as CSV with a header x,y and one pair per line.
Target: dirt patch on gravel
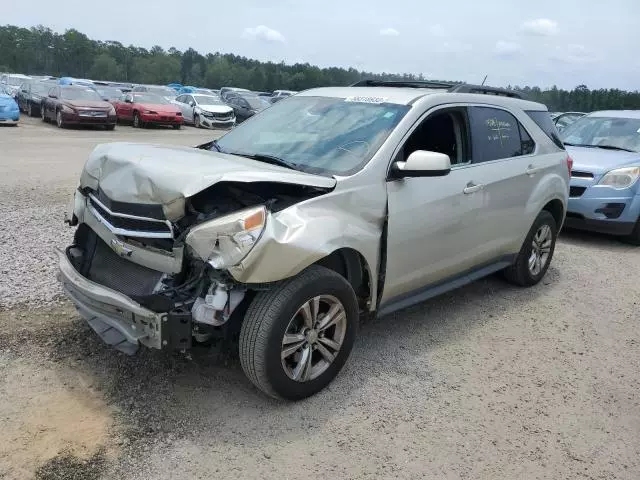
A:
x,y
47,414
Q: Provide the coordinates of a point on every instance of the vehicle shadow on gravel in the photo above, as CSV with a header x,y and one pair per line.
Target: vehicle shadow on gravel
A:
x,y
164,397
592,239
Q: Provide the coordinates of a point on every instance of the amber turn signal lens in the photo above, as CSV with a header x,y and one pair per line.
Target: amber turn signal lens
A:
x,y
254,221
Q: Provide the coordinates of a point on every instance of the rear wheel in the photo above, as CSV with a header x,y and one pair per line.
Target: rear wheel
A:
x,y
536,252
296,337
59,119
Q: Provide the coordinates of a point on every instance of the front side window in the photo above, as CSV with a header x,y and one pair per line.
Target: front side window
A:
x,y
325,135
496,134
604,132
444,131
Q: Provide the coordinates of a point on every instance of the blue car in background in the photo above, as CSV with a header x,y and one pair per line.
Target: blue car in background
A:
x,y
9,111
604,194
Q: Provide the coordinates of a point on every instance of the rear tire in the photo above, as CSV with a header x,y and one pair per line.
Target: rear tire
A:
x,y
634,237
275,322
536,253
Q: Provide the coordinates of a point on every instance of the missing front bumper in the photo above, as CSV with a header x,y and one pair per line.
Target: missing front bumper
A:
x,y
120,321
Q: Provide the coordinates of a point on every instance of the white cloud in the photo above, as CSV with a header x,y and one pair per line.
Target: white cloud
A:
x,y
437,30
541,27
389,32
264,34
506,49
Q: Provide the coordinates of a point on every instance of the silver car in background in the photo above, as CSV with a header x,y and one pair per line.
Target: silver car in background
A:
x,y
335,204
207,111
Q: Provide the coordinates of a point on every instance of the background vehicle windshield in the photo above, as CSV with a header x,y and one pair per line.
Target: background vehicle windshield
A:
x,y
80,94
208,100
149,98
623,133
40,88
110,92
256,102
165,92
15,81
317,134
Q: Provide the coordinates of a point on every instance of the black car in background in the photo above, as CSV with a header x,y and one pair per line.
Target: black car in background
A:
x,y
245,104
31,95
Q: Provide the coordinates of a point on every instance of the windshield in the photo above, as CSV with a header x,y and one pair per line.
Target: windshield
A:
x,y
208,100
164,92
149,98
317,134
255,102
16,81
41,88
80,94
612,132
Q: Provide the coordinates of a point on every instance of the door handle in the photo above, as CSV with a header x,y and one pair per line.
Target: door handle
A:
x,y
531,170
472,188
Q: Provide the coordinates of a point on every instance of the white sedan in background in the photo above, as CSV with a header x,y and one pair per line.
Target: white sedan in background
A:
x,y
207,111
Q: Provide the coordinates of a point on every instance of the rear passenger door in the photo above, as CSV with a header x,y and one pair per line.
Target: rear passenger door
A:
x,y
505,169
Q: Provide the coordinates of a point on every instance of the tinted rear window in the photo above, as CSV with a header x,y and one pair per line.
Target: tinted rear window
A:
x,y
543,120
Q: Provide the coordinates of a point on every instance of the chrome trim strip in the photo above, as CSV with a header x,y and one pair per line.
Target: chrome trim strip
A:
x,y
127,233
132,217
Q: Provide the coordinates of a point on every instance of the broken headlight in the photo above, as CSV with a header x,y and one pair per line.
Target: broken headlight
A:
x,y
225,241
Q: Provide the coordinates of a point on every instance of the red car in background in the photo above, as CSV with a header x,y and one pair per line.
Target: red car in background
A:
x,y
142,108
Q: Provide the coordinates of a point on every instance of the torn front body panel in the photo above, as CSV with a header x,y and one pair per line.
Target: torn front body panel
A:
x,y
304,233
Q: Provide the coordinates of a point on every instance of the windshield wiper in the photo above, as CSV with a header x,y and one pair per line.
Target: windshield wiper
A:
x,y
613,147
262,157
578,145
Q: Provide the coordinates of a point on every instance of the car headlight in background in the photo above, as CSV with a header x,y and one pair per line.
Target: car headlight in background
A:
x,y
226,241
620,177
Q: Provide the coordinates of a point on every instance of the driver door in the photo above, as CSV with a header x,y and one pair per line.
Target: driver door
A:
x,y
433,222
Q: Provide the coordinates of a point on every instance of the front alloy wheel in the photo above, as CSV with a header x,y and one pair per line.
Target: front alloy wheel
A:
x,y
296,336
43,115
313,338
59,120
29,110
196,121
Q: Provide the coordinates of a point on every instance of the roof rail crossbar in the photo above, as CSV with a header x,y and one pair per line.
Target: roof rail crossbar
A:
x,y
484,90
449,87
403,84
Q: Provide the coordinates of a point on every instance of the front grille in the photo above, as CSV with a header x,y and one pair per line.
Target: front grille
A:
x,y
132,224
575,192
112,271
219,116
579,174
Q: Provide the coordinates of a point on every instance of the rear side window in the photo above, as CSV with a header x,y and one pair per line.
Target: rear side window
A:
x,y
496,134
543,120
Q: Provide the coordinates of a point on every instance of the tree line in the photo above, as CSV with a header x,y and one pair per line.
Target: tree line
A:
x,y
40,50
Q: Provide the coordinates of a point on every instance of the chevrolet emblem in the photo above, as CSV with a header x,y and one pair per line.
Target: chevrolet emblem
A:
x,y
120,248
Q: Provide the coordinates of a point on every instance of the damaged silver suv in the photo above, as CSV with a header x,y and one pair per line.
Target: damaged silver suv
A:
x,y
332,204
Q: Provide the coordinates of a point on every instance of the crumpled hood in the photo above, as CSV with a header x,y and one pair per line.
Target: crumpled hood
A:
x,y
154,174
600,160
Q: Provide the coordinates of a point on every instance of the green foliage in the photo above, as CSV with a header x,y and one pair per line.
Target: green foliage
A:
x,y
39,50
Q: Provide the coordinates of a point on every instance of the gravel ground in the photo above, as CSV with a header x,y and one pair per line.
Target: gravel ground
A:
x,y
489,381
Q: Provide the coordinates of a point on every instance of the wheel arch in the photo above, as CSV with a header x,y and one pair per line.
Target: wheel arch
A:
x,y
351,264
556,208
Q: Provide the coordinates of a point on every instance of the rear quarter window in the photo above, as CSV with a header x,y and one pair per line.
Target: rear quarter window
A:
x,y
543,120
497,134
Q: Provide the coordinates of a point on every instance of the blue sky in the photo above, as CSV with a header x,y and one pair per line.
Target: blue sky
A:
x,y
526,43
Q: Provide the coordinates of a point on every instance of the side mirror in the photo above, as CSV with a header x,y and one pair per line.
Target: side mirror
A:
x,y
422,163
128,100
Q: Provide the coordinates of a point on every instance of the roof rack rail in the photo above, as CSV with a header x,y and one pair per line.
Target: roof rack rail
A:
x,y
448,86
484,90
403,84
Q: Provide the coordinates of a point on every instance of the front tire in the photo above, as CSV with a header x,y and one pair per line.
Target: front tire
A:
x,y
296,337
177,127
196,121
110,127
536,253
29,109
137,123
43,113
59,120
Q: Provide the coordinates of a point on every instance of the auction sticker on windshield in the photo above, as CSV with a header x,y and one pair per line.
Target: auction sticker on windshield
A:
x,y
366,99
